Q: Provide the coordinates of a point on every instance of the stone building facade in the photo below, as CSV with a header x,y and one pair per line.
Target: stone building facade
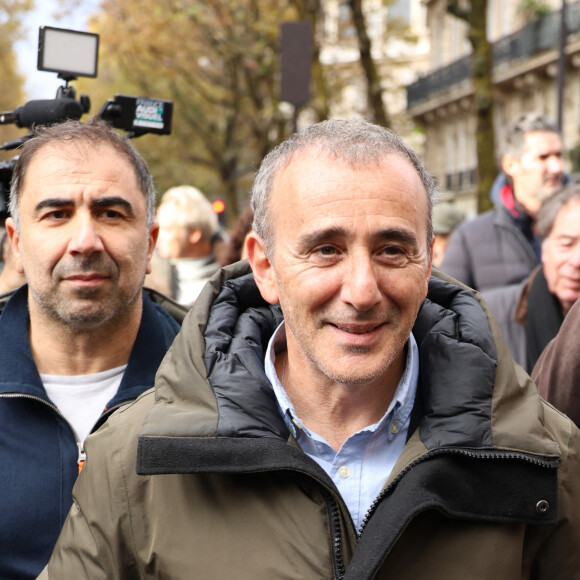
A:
x,y
526,51
400,47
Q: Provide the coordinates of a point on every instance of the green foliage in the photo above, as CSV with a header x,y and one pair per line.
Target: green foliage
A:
x,y
12,93
532,9
218,61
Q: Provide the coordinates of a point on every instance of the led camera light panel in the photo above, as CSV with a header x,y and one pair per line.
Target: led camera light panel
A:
x,y
67,52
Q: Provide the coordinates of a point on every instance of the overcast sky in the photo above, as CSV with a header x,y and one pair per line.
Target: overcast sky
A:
x,y
40,84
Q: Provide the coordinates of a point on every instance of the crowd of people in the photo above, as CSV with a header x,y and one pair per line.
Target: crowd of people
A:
x,y
524,254
341,391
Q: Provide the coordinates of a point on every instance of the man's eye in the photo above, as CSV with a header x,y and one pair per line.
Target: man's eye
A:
x,y
110,214
57,214
394,256
327,251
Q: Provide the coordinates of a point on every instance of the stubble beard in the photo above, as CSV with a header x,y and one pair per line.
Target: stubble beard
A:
x,y
88,308
545,191
359,373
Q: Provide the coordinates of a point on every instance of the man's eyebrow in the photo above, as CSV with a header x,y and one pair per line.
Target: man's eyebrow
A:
x,y
113,201
387,234
406,237
103,202
310,239
565,237
57,202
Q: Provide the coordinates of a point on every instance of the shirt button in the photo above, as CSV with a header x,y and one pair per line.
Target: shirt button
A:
x,y
394,428
344,471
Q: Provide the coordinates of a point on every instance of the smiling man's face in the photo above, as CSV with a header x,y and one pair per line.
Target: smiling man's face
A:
x,y
350,264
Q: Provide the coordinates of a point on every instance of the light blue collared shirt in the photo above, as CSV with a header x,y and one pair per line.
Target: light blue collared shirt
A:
x,y
364,462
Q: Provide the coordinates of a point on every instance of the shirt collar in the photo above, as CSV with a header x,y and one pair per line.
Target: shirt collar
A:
x,y
402,402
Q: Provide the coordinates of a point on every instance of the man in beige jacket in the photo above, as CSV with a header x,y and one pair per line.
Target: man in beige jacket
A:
x,y
335,411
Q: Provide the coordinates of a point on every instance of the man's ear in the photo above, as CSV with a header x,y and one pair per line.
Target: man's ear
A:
x,y
429,267
264,273
152,240
194,237
14,240
509,164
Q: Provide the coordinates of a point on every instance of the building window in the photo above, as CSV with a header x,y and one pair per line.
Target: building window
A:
x,y
400,9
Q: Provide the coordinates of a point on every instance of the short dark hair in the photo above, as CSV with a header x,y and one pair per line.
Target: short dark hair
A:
x,y
96,132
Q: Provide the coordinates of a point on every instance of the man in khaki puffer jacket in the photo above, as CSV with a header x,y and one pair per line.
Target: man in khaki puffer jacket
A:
x,y
336,411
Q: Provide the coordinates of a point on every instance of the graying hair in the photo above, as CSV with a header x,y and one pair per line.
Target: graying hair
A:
x,y
551,208
355,141
94,133
513,143
192,209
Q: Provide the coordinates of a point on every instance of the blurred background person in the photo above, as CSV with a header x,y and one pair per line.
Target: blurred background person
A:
x,y
187,228
500,246
220,246
530,313
557,371
446,217
237,237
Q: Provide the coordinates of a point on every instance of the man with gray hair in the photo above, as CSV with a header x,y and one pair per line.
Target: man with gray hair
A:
x,y
501,247
81,338
530,313
331,409
187,226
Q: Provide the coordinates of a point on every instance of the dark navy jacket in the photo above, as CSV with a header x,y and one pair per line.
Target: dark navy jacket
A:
x,y
39,450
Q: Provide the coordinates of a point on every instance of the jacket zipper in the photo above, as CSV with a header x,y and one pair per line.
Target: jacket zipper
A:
x,y
547,463
81,455
336,536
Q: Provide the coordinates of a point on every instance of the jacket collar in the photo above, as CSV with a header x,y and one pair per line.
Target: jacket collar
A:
x,y
18,373
212,382
155,335
480,430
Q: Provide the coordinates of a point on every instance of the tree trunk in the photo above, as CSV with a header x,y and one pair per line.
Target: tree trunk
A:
x,y
475,15
376,104
482,67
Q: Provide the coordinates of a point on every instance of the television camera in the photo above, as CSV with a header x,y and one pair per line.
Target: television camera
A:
x,y
71,54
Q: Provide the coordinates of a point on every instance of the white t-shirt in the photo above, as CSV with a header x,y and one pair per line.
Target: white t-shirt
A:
x,y
82,398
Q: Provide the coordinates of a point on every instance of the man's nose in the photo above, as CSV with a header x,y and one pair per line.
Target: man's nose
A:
x,y
574,257
85,238
360,286
555,164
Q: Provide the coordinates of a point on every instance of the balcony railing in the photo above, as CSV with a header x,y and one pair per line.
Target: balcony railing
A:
x,y
461,180
536,37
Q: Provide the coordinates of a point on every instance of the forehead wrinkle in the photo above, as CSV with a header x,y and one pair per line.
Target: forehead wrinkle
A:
x,y
358,199
78,158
